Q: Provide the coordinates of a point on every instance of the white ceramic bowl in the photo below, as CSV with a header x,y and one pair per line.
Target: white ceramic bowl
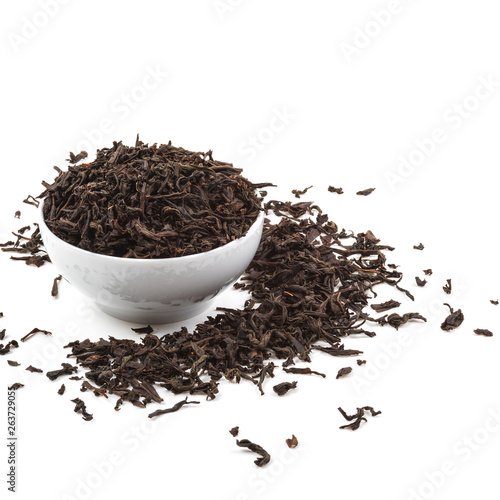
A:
x,y
153,291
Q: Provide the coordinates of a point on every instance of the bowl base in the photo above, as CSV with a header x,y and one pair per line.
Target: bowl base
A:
x,y
155,317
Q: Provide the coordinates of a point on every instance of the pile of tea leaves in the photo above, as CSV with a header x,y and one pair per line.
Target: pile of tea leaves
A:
x,y
309,286
150,202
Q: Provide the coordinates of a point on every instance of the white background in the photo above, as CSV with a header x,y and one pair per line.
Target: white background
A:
x,y
356,106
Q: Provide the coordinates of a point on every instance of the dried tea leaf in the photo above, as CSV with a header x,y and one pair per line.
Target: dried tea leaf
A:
x,y
32,369
428,272
303,371
447,288
385,306
358,417
17,215
13,363
365,192
55,288
284,387
82,409
420,282
174,408
16,386
420,246
361,362
485,333
292,442
61,390
265,457
8,347
145,329
343,372
332,189
395,320
454,320
66,369
298,193
34,332
494,302
234,431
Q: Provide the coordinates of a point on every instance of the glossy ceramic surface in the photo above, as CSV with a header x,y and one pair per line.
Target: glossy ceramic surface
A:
x,y
152,291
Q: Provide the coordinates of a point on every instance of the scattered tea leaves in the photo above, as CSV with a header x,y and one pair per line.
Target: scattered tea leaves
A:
x,y
16,386
428,272
358,417
13,363
419,246
234,431
33,369
61,390
395,320
8,347
332,189
447,288
494,302
17,215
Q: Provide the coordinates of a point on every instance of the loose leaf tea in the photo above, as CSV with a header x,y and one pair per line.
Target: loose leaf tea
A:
x,y
298,193
447,288
145,329
265,457
332,189
395,320
34,332
420,282
284,387
13,363
428,272
174,408
494,302
234,431
361,362
66,369
390,304
419,246
30,200
485,333
8,347
358,417
33,245
2,334
81,408
55,288
303,371
343,372
16,386
150,202
76,158
454,320
293,442
17,215
61,390
32,369
366,192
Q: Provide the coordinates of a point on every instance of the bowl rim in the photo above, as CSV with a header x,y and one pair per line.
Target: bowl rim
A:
x,y
256,226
